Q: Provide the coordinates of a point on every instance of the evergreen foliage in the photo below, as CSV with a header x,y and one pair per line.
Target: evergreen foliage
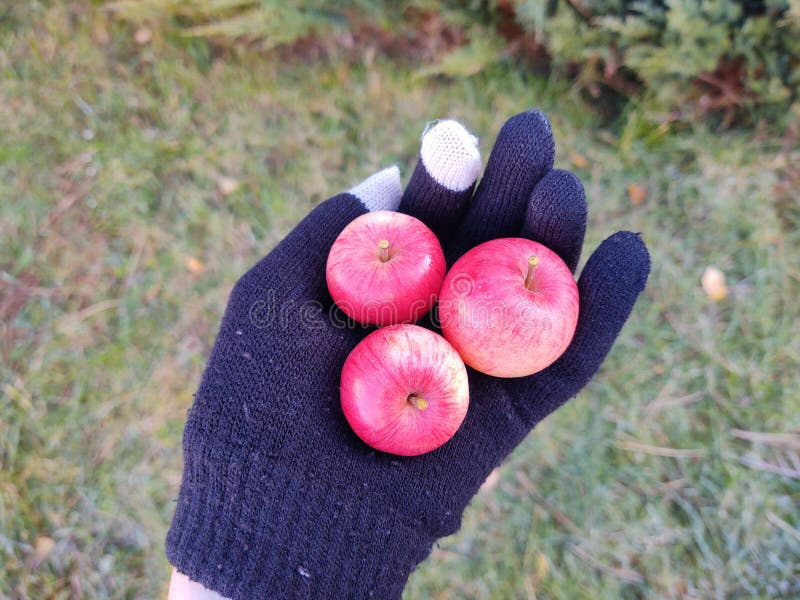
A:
x,y
737,57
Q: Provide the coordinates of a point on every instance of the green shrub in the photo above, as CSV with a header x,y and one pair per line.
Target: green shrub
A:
x,y
703,54
270,22
740,58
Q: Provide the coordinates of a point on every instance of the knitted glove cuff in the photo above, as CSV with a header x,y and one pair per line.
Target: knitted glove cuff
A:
x,y
277,531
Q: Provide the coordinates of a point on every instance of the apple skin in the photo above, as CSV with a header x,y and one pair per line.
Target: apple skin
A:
x,y
498,325
384,286
404,390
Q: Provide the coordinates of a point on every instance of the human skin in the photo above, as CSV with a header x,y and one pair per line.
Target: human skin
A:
x,y
183,588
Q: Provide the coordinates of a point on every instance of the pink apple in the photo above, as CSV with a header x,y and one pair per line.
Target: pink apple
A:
x,y
509,306
404,390
385,268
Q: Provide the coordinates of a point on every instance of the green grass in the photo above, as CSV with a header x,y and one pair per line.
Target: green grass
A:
x,y
118,249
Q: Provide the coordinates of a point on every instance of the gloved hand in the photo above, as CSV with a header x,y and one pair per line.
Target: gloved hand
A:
x,y
279,498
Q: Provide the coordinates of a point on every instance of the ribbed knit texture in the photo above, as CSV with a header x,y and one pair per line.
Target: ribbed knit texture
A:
x,y
279,498
442,207
444,178
523,154
556,215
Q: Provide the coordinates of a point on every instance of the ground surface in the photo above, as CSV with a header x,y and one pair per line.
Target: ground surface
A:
x,y
139,179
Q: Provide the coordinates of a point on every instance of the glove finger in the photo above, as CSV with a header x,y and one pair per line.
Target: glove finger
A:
x,y
609,285
444,178
556,215
380,191
522,155
297,264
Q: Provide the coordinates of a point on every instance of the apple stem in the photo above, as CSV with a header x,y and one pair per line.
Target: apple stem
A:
x,y
384,247
532,262
418,402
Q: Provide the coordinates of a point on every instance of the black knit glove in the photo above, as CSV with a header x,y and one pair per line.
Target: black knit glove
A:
x,y
279,498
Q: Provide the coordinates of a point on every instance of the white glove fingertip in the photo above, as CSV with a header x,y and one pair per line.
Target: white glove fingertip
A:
x,y
450,155
381,191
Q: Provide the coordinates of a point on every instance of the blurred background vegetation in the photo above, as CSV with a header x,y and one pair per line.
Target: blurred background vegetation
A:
x,y
150,151
740,58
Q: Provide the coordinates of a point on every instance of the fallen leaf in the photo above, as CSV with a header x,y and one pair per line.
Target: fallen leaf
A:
x,y
76,586
194,265
100,35
227,185
44,546
143,36
542,566
713,282
636,193
491,481
152,291
578,161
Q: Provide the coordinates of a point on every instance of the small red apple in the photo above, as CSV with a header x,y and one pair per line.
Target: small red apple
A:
x,y
384,268
509,307
404,390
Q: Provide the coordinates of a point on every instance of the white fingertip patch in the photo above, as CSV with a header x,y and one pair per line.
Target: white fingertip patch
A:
x,y
381,191
450,155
